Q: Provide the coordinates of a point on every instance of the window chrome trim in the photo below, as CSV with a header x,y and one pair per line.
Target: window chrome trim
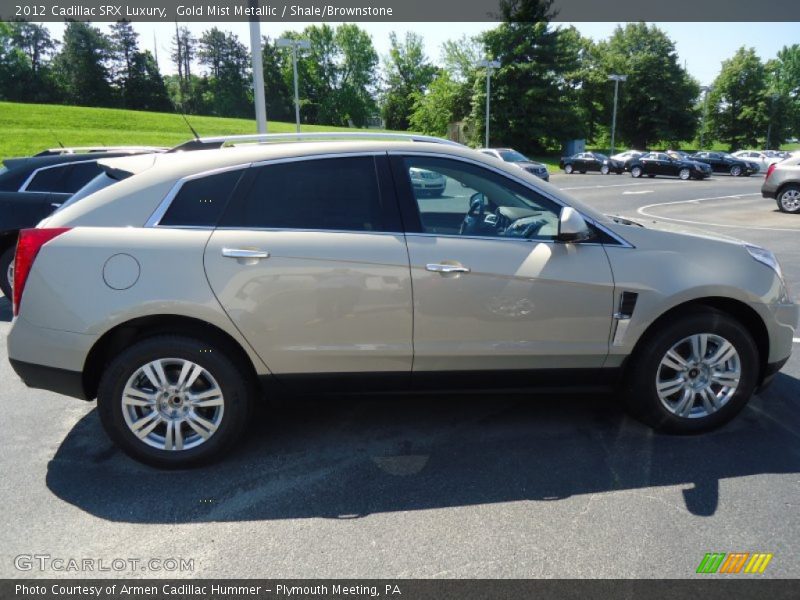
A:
x,y
546,194
155,218
64,165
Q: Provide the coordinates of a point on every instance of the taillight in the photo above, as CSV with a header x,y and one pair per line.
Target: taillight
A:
x,y
28,246
770,170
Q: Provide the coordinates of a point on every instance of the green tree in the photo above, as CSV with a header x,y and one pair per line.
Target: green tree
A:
x,y
145,89
278,95
533,108
12,65
587,79
81,68
32,72
783,95
124,48
737,103
434,110
408,73
229,80
657,103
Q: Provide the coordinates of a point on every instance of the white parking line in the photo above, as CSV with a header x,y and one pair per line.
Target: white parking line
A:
x,y
616,185
631,192
796,340
643,211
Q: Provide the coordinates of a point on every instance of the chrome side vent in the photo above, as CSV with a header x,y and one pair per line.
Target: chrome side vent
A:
x,y
622,318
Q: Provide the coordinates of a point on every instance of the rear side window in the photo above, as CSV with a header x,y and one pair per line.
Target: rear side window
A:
x,y
200,202
78,176
48,180
328,194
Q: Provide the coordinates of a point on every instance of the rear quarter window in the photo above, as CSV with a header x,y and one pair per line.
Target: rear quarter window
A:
x,y
200,202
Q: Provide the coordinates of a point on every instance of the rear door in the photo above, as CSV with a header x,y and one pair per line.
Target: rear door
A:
x,y
310,263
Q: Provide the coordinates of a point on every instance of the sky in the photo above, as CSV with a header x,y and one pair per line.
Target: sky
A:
x,y
701,46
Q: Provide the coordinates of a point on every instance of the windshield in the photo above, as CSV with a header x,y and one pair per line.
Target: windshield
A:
x,y
600,156
513,156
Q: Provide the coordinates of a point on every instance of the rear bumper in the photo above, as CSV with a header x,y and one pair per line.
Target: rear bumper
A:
x,y
768,193
60,381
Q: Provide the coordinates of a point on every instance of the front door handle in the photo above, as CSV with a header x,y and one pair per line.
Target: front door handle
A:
x,y
444,268
244,253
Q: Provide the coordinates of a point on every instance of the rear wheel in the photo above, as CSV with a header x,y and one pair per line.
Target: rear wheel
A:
x,y
789,199
636,171
7,272
694,373
604,170
736,170
684,174
173,402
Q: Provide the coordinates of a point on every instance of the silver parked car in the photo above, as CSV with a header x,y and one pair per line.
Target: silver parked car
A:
x,y
518,159
782,184
180,294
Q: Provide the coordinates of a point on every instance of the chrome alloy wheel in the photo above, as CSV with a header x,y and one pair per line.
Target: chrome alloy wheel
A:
x,y
172,404
698,375
790,200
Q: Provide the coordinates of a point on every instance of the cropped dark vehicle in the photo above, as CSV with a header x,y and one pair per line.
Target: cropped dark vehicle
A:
x,y
722,162
518,159
31,188
591,161
661,163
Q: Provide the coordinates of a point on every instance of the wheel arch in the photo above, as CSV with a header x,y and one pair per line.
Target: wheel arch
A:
x,y
125,334
740,311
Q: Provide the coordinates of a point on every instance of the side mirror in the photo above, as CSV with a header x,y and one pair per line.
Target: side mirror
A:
x,y
571,226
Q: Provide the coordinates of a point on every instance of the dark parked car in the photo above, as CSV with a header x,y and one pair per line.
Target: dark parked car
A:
x,y
722,162
591,161
33,187
518,159
661,163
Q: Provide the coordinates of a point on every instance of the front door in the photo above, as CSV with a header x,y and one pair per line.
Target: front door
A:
x,y
311,265
493,290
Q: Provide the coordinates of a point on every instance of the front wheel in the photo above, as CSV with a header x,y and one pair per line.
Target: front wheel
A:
x,y
173,401
789,199
7,272
695,373
604,170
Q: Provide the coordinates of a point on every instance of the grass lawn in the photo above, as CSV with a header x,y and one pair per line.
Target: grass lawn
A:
x,y
30,128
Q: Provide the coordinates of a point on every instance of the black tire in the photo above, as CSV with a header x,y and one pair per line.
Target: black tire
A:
x,y
636,171
640,394
651,175
736,171
569,169
605,170
6,261
685,174
583,172
237,391
789,199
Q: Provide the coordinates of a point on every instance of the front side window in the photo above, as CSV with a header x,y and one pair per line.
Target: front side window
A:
x,y
478,202
340,194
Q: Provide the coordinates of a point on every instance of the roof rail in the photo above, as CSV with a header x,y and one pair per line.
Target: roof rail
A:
x,y
97,150
220,141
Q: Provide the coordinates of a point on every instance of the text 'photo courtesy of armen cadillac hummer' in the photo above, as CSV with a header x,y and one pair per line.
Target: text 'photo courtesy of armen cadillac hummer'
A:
x,y
188,286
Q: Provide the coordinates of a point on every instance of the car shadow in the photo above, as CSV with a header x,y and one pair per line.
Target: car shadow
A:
x,y
348,458
5,309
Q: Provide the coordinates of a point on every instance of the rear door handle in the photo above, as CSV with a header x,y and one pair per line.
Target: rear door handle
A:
x,y
244,253
442,268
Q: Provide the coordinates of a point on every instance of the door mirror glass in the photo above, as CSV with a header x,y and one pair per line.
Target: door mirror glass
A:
x,y
572,227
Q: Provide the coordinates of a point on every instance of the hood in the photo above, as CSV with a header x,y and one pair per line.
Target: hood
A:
x,y
636,227
529,163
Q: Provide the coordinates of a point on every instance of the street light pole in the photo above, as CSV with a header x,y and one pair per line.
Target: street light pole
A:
x,y
705,89
616,79
295,44
258,72
490,66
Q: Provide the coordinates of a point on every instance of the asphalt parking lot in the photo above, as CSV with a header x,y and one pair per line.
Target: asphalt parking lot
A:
x,y
489,486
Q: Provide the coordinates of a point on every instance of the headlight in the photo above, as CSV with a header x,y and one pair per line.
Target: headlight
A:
x,y
765,257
